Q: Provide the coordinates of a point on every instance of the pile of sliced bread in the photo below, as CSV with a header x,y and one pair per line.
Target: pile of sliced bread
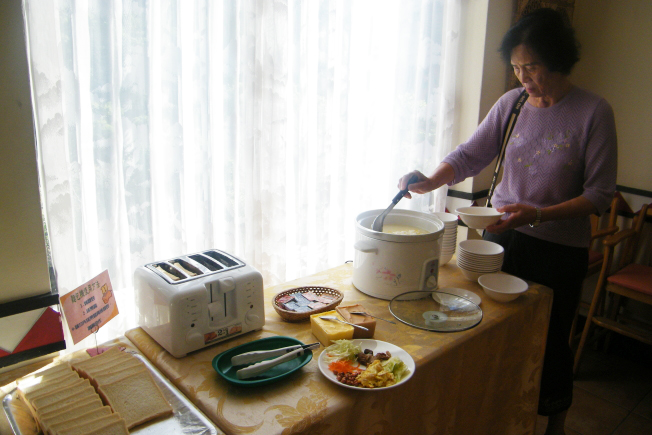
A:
x,y
104,395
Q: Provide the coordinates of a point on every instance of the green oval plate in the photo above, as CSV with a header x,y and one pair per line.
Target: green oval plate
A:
x,y
222,362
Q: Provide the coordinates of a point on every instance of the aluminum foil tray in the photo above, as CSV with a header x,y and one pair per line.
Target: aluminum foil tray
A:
x,y
187,419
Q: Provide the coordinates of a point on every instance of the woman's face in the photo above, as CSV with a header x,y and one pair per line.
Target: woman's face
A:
x,y
538,81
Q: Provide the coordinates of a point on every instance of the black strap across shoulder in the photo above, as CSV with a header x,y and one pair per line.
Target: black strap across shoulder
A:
x,y
506,134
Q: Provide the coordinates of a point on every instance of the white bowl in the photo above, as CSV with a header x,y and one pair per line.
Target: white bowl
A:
x,y
481,261
445,258
478,218
502,287
449,219
481,247
482,270
470,275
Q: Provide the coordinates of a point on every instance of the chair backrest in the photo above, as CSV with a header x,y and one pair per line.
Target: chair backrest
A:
x,y
598,231
633,238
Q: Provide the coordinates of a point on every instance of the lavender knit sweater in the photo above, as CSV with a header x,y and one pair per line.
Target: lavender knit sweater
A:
x,y
554,154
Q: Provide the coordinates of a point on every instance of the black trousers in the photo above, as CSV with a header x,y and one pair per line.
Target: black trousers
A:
x,y
563,269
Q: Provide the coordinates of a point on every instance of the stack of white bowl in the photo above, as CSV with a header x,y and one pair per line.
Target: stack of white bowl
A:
x,y
449,241
479,257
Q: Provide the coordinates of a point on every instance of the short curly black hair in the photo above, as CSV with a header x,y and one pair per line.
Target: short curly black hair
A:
x,y
546,32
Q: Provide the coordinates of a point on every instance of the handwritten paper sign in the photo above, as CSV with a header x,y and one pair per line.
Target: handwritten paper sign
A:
x,y
89,307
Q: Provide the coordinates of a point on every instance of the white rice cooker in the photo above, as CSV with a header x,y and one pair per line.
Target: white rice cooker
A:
x,y
386,265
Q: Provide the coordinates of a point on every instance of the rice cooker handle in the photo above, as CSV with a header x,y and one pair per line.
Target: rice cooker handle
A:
x,y
364,246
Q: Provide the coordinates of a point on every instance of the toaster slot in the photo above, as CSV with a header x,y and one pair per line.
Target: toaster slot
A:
x,y
206,262
222,307
186,267
221,258
168,272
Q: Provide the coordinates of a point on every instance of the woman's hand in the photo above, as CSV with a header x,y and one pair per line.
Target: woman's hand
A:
x,y
519,215
442,175
421,186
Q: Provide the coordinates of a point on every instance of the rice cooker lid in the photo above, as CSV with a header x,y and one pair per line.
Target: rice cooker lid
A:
x,y
424,221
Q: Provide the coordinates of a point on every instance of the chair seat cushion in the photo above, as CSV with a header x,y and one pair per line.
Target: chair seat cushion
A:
x,y
634,276
595,256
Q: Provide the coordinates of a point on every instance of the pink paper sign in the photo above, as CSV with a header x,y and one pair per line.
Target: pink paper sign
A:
x,y
89,307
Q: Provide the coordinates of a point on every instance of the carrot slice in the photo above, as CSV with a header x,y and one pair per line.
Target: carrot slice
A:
x,y
343,366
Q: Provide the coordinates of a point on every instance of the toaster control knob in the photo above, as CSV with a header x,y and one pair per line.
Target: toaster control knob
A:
x,y
251,317
195,339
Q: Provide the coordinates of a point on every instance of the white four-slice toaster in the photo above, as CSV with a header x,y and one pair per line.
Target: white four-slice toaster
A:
x,y
196,300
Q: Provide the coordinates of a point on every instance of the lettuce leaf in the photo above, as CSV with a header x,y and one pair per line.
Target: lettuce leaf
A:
x,y
397,367
341,350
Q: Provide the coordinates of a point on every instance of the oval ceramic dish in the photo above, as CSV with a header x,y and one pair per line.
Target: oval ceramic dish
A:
x,y
376,346
222,362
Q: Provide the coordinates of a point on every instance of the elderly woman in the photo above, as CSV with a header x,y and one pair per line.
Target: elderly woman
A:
x,y
559,168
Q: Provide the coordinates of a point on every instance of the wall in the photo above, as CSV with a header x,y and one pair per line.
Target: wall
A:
x,y
23,261
481,76
616,63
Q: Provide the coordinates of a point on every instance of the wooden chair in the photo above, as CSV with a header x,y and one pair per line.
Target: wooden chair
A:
x,y
596,256
628,280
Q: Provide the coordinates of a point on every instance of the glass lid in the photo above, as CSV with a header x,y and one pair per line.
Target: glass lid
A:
x,y
435,311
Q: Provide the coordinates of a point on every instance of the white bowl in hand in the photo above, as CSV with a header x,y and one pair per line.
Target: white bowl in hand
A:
x,y
479,218
502,287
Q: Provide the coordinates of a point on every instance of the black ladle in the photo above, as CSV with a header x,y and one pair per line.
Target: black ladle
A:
x,y
378,222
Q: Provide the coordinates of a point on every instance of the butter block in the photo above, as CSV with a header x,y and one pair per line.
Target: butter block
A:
x,y
327,331
358,319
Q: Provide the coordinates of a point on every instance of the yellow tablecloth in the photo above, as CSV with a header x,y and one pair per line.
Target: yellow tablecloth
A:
x,y
481,381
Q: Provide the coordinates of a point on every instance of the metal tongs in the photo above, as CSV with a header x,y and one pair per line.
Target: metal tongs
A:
x,y
378,222
286,354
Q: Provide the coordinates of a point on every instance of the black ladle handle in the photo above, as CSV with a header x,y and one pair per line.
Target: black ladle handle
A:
x,y
402,193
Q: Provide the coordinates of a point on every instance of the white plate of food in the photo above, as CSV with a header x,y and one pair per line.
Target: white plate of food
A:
x,y
377,347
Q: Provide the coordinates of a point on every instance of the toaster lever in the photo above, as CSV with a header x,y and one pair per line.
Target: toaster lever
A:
x,y
227,284
217,289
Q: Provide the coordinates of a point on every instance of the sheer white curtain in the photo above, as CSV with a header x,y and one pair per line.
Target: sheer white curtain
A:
x,y
261,128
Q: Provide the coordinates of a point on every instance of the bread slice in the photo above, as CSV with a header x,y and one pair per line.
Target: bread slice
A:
x,y
66,402
33,398
68,394
29,391
64,405
114,364
123,364
75,410
112,376
136,398
98,359
82,367
78,419
91,427
47,390
44,374
117,360
51,370
110,352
